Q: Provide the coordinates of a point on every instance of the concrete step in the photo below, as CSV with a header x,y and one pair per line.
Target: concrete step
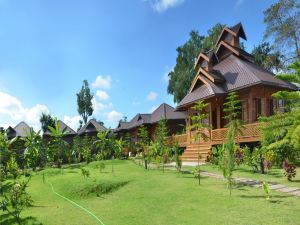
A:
x,y
193,160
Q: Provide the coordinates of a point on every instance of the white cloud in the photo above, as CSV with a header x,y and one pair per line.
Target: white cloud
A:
x,y
102,95
99,106
238,3
113,117
102,82
72,121
12,108
135,103
163,5
151,96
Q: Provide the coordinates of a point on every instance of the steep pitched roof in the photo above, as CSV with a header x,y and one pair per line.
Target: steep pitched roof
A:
x,y
239,30
138,120
163,111
20,130
91,126
121,126
167,112
238,74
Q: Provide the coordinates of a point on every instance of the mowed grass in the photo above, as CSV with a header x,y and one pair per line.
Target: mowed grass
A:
x,y
150,197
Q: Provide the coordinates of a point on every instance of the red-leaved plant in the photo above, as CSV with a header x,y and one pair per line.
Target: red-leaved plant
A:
x,y
290,170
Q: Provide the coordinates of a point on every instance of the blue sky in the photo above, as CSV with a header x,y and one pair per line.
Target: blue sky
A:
x,y
123,48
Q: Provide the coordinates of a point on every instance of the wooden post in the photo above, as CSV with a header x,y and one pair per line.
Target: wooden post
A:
x,y
188,124
210,120
219,117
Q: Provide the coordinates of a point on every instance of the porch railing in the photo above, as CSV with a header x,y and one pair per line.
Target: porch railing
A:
x,y
181,139
249,132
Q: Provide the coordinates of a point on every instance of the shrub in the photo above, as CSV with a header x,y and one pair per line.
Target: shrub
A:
x,y
94,188
85,173
12,167
290,170
251,158
16,200
239,155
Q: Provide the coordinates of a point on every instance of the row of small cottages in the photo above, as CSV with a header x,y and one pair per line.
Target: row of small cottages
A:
x,y
91,128
176,123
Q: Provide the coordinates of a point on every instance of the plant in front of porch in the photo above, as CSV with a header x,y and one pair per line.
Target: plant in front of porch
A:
x,y
143,141
161,139
232,108
200,127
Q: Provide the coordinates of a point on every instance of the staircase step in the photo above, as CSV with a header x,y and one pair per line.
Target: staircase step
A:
x,y
192,151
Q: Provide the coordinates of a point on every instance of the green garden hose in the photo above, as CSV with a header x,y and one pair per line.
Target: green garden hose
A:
x,y
74,203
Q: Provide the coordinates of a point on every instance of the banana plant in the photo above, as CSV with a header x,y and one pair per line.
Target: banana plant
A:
x,y
119,144
102,143
32,142
5,152
58,146
266,189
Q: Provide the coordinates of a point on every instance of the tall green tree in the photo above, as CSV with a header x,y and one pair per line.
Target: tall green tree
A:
x,y
143,140
282,21
183,73
265,56
84,102
281,131
199,125
46,120
232,109
291,98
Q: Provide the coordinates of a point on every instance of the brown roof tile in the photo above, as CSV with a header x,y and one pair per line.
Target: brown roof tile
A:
x,y
91,126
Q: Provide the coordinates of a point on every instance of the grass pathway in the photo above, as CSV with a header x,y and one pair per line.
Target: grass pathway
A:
x,y
257,183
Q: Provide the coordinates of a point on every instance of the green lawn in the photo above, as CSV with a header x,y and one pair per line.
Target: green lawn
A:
x,y
274,175
151,197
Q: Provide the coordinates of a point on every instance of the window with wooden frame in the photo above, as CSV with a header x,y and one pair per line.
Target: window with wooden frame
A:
x,y
257,108
270,103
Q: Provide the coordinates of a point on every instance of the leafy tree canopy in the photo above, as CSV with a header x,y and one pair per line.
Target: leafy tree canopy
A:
x,y
283,24
266,56
47,121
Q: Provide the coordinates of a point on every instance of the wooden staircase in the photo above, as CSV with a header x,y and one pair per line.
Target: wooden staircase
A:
x,y
192,151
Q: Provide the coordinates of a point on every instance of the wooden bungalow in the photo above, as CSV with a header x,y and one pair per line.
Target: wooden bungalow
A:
x,y
91,128
64,128
224,69
20,130
176,122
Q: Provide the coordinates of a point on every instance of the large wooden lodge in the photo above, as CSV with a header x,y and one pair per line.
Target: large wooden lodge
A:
x,y
224,69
